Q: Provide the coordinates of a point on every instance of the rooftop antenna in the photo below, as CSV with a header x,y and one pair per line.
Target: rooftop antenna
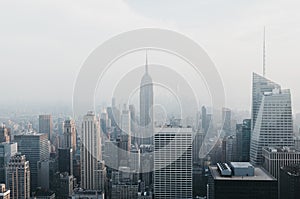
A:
x,y
146,62
264,53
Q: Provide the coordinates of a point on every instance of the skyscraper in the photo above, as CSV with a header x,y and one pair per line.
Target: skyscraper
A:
x,y
36,148
260,85
272,118
243,136
18,177
90,152
46,125
146,105
65,161
69,135
173,163
7,150
226,118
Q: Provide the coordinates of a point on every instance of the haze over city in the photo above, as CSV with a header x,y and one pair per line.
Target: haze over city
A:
x,y
44,44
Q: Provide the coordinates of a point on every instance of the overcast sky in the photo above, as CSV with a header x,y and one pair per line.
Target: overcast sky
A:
x,y
44,43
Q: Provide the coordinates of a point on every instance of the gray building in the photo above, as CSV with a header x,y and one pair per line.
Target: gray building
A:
x,y
18,177
7,150
276,157
173,163
273,124
289,182
240,180
46,125
69,132
146,111
243,137
35,147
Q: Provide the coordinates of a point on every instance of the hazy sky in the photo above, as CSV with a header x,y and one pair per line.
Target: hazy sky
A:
x,y
44,43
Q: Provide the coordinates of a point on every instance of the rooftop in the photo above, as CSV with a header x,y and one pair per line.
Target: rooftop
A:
x,y
281,149
240,164
259,175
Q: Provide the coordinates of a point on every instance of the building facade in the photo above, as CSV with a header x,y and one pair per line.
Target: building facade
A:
x,y
36,148
173,163
90,153
273,125
276,157
240,180
46,125
18,177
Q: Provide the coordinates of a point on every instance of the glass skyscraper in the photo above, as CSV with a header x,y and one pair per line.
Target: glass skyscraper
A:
x,y
271,116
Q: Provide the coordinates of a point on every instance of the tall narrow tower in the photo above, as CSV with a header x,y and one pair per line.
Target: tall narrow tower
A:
x,y
91,153
146,103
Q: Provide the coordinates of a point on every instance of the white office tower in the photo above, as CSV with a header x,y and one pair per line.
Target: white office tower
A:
x,y
273,122
90,153
173,163
146,105
126,125
18,177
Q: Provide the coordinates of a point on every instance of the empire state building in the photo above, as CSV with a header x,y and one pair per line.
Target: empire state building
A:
x,y
146,103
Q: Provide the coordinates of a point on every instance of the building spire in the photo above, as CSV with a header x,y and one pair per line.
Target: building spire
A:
x,y
146,66
264,52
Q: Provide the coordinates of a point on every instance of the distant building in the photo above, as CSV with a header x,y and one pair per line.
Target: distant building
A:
x,y
69,135
46,125
243,137
226,118
4,193
173,163
276,157
124,184
87,194
273,122
18,177
7,150
4,134
240,180
44,194
36,148
289,182
146,111
229,148
65,160
63,185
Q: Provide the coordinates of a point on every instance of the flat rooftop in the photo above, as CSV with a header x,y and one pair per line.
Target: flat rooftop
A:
x,y
240,164
259,175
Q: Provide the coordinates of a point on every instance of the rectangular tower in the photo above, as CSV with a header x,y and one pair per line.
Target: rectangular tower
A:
x,y
173,163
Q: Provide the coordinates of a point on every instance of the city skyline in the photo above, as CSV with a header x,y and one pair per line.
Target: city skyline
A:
x,y
128,99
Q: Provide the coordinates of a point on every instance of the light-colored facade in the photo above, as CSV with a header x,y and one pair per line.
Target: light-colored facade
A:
x,y
91,153
275,158
4,193
69,135
273,123
173,163
18,177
